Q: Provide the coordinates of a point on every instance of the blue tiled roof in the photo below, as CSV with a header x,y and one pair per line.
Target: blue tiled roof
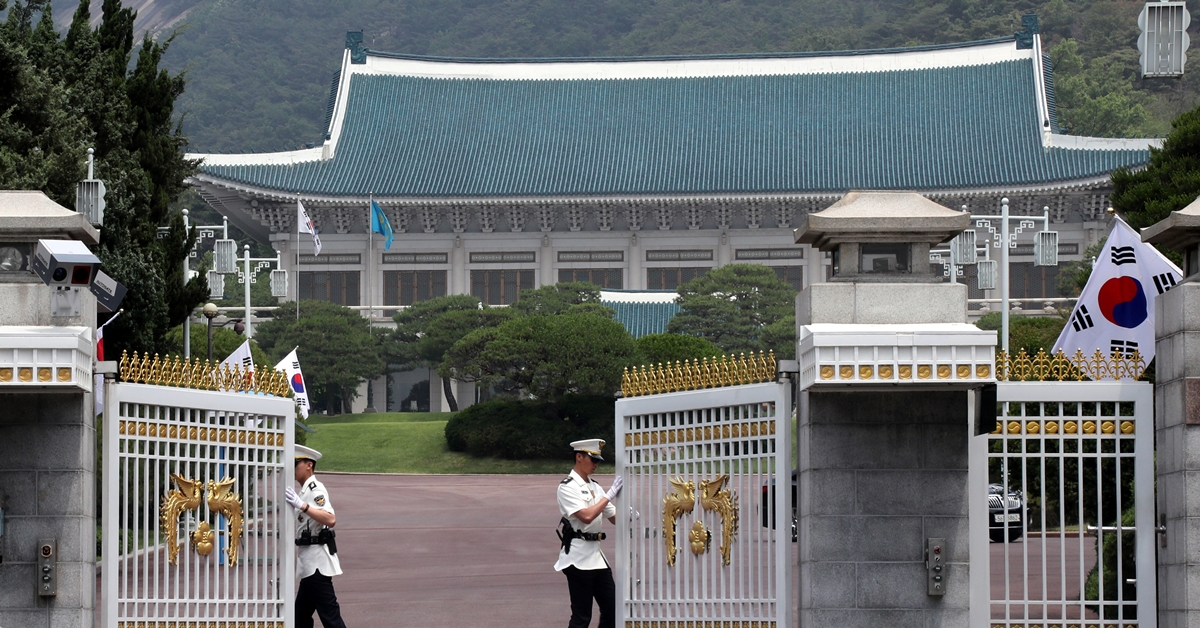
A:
x,y
938,128
643,319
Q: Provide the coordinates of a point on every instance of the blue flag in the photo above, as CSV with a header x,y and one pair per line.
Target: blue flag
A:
x,y
380,225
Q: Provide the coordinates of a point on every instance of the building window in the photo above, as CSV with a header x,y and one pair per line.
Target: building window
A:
x,y
334,287
405,287
603,277
500,287
793,275
670,278
1033,282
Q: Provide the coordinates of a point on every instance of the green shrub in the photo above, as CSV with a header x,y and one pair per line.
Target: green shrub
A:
x,y
1025,332
531,429
659,348
1108,551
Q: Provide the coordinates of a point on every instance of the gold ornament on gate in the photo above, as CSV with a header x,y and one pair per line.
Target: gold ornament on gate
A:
x,y
188,498
174,504
714,497
201,374
699,538
681,499
697,374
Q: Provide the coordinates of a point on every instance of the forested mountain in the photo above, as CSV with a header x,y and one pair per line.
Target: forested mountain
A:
x,y
259,71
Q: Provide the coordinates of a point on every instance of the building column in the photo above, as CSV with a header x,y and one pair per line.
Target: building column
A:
x,y
637,274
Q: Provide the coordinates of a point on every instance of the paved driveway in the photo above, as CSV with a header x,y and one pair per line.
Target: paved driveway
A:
x,y
447,550
451,550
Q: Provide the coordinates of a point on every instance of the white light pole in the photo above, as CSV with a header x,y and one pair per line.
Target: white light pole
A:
x,y
1045,253
248,275
202,232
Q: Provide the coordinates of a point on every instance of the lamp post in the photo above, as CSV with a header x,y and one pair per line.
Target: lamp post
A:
x,y
210,312
202,232
248,274
1045,252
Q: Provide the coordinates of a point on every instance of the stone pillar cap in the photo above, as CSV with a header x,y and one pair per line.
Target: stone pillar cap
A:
x,y
881,216
31,213
1179,230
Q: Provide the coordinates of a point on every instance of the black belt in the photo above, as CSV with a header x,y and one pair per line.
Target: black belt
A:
x,y
591,536
569,533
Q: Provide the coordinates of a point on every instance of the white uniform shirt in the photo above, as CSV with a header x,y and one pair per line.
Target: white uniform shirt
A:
x,y
314,558
574,494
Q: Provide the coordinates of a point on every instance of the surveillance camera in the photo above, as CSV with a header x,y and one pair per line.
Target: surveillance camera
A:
x,y
108,291
64,263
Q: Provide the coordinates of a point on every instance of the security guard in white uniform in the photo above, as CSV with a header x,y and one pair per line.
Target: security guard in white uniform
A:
x,y
318,561
582,502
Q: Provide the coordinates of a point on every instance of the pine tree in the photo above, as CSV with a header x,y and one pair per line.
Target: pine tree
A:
x,y
60,97
1169,182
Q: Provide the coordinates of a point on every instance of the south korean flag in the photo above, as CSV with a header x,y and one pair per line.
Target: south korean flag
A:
x,y
1115,312
290,365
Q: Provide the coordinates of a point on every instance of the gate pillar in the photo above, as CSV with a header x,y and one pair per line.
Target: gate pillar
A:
x,y
887,369
47,427
1177,423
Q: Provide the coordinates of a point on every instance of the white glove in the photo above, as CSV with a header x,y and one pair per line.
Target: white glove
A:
x,y
616,488
292,498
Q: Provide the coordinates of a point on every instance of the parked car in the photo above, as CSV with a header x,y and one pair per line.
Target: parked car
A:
x,y
1005,513
768,501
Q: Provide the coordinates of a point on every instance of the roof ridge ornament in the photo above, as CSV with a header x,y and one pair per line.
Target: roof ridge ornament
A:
x,y
358,52
1025,38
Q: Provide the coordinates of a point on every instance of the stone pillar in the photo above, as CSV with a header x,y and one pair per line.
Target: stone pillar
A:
x,y
1177,423
887,363
47,491
47,434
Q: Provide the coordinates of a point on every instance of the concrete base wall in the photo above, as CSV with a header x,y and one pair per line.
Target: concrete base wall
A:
x,y
1177,444
47,490
881,472
882,303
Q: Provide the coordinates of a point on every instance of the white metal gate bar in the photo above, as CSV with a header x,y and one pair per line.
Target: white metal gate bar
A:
x,y
727,571
1070,459
195,531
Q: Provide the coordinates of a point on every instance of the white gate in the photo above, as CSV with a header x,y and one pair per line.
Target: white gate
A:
x,y
1068,539
195,530
706,539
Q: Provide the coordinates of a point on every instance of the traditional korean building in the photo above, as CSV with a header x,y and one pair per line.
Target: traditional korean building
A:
x,y
642,173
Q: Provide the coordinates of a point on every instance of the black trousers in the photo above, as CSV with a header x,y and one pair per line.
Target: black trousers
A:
x,y
586,585
316,594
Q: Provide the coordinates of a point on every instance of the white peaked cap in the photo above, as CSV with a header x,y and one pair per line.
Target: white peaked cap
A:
x,y
590,447
307,453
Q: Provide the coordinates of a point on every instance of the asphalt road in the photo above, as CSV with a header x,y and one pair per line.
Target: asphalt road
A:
x,y
445,550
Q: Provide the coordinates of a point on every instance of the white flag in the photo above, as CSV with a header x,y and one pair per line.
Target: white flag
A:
x,y
1115,311
290,364
240,357
306,225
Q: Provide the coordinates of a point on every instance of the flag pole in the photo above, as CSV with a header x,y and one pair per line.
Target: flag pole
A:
x,y
297,257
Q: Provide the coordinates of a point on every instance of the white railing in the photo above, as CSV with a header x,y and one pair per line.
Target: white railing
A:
x,y
700,467
1073,544
195,530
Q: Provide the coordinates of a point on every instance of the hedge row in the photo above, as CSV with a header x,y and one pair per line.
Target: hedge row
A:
x,y
531,429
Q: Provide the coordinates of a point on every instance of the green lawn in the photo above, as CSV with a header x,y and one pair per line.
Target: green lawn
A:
x,y
408,442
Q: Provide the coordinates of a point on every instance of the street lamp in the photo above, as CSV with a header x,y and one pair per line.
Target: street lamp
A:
x,y
248,274
202,232
963,253
210,312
